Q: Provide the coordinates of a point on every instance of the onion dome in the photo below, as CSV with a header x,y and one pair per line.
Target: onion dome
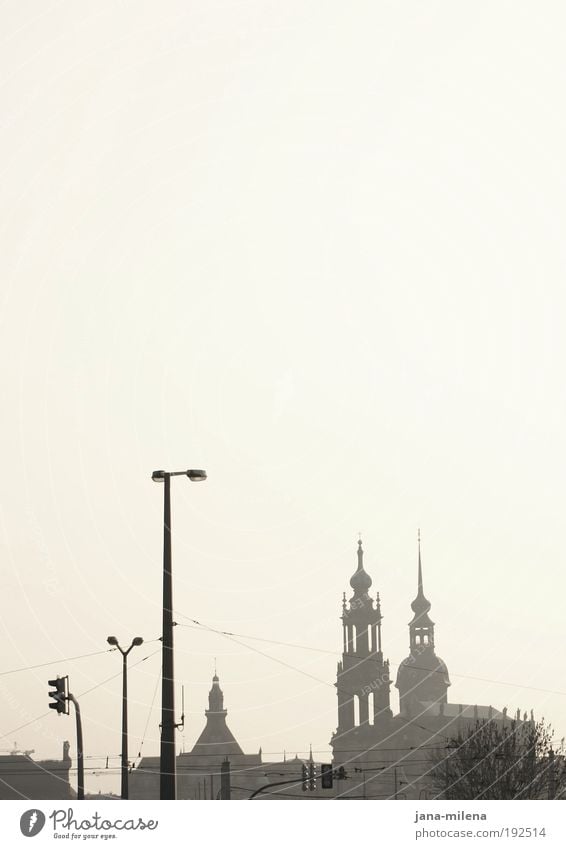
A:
x,y
360,580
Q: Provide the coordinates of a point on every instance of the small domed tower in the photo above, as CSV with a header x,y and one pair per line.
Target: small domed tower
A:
x,y
422,677
215,699
216,740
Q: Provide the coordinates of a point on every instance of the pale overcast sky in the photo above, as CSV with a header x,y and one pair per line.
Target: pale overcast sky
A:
x,y
316,248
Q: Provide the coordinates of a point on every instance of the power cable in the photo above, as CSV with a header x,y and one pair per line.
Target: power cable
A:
x,y
201,626
53,662
157,680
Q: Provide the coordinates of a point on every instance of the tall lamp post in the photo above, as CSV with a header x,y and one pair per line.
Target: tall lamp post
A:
x,y
167,783
137,641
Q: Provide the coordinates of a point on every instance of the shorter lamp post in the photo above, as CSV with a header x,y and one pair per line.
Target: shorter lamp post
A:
x,y
137,641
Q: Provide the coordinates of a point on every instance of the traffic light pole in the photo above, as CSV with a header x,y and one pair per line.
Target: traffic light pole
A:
x,y
297,780
308,777
62,697
80,759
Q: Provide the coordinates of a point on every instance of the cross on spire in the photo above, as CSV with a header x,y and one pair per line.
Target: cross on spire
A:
x,y
420,578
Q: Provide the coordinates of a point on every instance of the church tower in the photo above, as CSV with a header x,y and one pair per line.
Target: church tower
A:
x,y
216,741
422,677
363,675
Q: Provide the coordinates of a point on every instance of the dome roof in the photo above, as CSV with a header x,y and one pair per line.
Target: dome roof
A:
x,y
412,667
360,580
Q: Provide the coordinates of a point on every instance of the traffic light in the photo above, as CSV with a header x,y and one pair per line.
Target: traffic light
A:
x,y
312,776
59,694
326,776
305,778
341,774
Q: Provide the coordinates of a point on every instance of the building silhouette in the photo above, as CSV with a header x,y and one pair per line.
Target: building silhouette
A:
x,y
384,754
391,753
21,777
199,772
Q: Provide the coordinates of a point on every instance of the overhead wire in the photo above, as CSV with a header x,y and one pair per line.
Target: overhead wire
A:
x,y
234,638
326,683
84,693
117,675
201,626
53,662
157,680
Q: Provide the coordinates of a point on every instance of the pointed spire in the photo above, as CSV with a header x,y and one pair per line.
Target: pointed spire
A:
x,y
421,605
310,752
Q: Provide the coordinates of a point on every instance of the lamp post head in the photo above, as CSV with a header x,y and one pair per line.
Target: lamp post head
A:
x,y
137,641
194,475
112,641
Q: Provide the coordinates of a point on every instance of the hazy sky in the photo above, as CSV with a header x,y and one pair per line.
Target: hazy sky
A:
x,y
316,248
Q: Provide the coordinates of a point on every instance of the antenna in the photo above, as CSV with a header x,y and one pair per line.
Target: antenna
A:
x,y
181,724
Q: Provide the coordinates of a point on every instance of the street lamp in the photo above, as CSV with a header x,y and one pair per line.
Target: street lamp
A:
x,y
137,641
167,784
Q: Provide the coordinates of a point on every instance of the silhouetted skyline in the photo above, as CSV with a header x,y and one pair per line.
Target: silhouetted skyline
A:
x,y
319,255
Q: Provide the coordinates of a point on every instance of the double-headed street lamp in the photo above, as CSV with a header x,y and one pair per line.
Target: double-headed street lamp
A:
x,y
137,641
167,784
